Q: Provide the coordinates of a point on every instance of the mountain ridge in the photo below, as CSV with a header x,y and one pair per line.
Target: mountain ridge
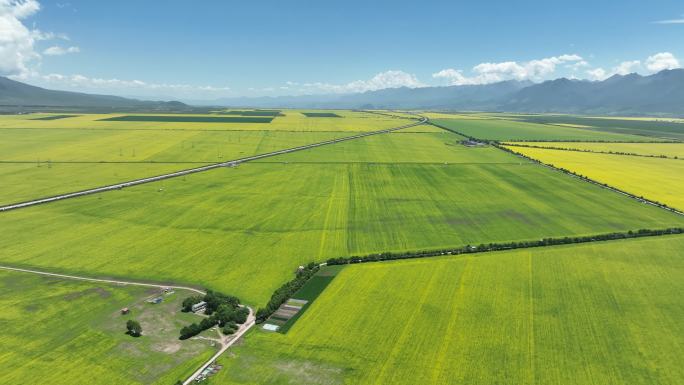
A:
x,y
659,94
21,95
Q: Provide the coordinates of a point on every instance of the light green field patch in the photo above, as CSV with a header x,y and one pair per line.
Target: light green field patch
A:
x,y
401,147
604,313
66,332
25,181
63,145
510,130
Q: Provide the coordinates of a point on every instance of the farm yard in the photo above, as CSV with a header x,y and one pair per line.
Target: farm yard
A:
x,y
64,332
574,314
582,314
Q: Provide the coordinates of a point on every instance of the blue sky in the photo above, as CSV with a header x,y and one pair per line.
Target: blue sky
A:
x,y
209,49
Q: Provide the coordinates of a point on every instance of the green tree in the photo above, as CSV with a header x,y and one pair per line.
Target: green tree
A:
x,y
133,328
188,302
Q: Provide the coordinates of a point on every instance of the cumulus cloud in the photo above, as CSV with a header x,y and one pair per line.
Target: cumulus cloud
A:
x,y
56,50
627,67
624,68
655,63
485,73
387,79
662,61
18,54
598,74
16,40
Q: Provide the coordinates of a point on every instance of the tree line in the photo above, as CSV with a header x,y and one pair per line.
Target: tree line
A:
x,y
223,310
593,151
592,141
387,256
285,292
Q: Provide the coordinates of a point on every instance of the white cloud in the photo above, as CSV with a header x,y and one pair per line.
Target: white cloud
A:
x,y
20,9
598,74
671,21
16,40
624,68
454,77
485,73
577,65
116,86
662,61
627,67
18,54
387,79
56,50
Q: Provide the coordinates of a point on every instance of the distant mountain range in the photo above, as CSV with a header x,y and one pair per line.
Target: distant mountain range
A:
x,y
473,97
20,95
661,93
633,94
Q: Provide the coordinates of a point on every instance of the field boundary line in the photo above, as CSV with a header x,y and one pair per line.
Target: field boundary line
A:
x,y
229,163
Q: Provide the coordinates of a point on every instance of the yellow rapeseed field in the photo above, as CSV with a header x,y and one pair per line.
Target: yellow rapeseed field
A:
x,y
657,179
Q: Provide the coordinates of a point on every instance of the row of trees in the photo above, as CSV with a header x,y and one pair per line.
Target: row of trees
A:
x,y
593,151
504,246
223,310
593,141
286,291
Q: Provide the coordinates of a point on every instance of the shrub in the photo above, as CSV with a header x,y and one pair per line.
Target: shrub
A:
x,y
133,328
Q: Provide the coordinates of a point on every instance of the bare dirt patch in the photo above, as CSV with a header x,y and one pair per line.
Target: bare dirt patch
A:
x,y
169,347
305,372
103,293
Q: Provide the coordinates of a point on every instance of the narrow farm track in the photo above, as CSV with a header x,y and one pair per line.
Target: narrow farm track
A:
x,y
230,163
226,341
101,280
